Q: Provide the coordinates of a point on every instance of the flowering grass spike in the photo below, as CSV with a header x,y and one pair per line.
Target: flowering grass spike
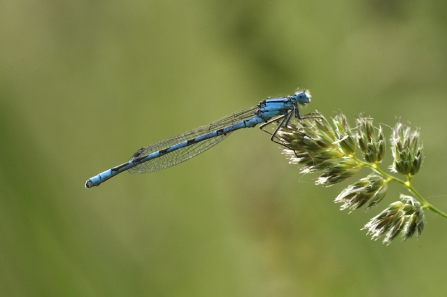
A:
x,y
404,218
406,149
316,146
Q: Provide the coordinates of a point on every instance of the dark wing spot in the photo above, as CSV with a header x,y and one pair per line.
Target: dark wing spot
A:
x,y
138,153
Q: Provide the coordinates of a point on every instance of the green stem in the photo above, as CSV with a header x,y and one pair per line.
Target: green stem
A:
x,y
426,204
407,184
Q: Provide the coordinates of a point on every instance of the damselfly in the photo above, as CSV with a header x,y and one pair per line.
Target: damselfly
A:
x,y
182,147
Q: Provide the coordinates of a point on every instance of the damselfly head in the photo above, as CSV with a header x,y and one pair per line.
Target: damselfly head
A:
x,y
302,97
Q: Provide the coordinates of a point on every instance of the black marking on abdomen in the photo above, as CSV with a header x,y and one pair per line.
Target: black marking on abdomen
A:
x,y
162,152
191,141
117,168
220,132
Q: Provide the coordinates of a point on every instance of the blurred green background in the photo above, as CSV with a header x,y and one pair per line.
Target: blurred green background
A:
x,y
84,84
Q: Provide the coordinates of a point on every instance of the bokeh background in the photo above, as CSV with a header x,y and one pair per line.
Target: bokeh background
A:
x,y
84,84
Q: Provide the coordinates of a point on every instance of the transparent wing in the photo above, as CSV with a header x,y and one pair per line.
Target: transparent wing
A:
x,y
192,150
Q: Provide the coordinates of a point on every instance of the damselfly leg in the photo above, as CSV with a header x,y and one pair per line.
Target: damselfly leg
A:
x,y
283,122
